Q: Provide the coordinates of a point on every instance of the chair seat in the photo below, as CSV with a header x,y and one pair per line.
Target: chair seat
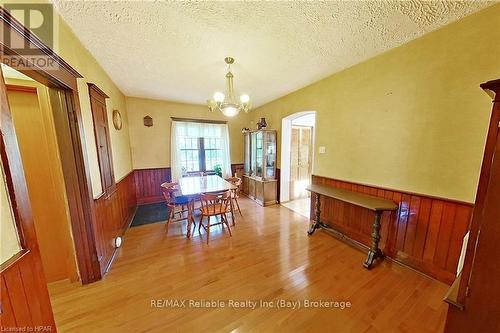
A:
x,y
181,200
211,210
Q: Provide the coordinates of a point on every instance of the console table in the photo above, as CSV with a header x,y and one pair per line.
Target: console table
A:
x,y
375,204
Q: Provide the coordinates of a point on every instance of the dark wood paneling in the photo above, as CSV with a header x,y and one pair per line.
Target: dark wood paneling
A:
x,y
24,302
114,212
237,169
147,184
425,233
24,294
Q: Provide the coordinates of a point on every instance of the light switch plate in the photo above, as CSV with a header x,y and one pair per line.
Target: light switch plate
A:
x,y
322,149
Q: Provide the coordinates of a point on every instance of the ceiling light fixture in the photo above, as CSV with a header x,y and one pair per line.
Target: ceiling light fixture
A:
x,y
227,104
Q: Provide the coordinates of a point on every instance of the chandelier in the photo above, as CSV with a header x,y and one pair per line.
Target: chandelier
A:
x,y
227,104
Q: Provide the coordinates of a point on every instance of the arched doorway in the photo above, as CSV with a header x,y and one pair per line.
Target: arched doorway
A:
x,y
297,155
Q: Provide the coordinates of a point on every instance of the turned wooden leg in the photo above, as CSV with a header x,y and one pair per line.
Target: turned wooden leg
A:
x,y
208,229
317,210
231,205
170,217
238,205
224,218
191,214
374,252
189,219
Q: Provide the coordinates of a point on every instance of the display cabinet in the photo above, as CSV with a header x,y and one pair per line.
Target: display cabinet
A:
x,y
259,180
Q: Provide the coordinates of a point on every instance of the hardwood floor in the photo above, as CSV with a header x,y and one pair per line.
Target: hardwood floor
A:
x,y
270,257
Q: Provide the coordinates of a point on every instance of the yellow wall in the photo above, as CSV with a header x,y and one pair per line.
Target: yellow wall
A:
x,y
151,145
413,118
37,140
69,48
73,52
9,242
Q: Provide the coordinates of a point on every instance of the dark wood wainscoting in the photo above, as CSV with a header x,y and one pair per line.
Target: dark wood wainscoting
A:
x,y
237,169
24,294
425,233
147,184
114,212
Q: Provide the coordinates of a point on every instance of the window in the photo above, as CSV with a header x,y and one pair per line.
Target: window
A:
x,y
190,154
200,154
213,153
199,147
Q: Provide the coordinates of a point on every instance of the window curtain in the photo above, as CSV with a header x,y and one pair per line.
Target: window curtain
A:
x,y
175,153
182,129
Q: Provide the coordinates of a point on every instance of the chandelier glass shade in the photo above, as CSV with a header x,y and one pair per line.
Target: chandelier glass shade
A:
x,y
227,103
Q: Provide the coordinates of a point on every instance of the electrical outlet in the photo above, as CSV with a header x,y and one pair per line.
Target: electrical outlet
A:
x,y
322,149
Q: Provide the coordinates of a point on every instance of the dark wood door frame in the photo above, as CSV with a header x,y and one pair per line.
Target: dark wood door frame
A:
x,y
78,187
476,305
489,150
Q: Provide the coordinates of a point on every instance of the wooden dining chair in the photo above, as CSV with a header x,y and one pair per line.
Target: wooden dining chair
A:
x,y
174,200
214,205
175,186
235,193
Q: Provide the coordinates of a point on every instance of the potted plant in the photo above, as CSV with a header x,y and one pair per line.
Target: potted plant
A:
x,y
218,170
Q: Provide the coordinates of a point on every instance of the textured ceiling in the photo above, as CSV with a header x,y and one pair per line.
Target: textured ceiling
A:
x,y
175,50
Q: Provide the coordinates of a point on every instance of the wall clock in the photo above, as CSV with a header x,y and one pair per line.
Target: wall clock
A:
x,y
117,120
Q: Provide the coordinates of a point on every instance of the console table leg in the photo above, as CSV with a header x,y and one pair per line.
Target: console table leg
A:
x,y
374,252
317,210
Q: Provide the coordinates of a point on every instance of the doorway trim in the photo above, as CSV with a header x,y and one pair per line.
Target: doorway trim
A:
x,y
286,140
74,158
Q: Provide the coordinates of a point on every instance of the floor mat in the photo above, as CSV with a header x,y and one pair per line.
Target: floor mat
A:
x,y
150,213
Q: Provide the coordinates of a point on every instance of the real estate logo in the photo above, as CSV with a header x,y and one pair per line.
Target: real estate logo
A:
x,y
36,51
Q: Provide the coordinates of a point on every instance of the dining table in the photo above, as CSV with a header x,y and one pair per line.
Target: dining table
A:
x,y
193,186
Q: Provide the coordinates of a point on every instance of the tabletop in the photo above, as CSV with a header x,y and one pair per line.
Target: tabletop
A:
x,y
204,184
358,199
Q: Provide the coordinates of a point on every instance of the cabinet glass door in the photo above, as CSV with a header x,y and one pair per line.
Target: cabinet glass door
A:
x,y
259,153
247,165
253,156
270,155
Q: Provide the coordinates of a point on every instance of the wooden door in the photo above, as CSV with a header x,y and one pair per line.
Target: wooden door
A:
x,y
36,137
300,161
25,302
103,141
